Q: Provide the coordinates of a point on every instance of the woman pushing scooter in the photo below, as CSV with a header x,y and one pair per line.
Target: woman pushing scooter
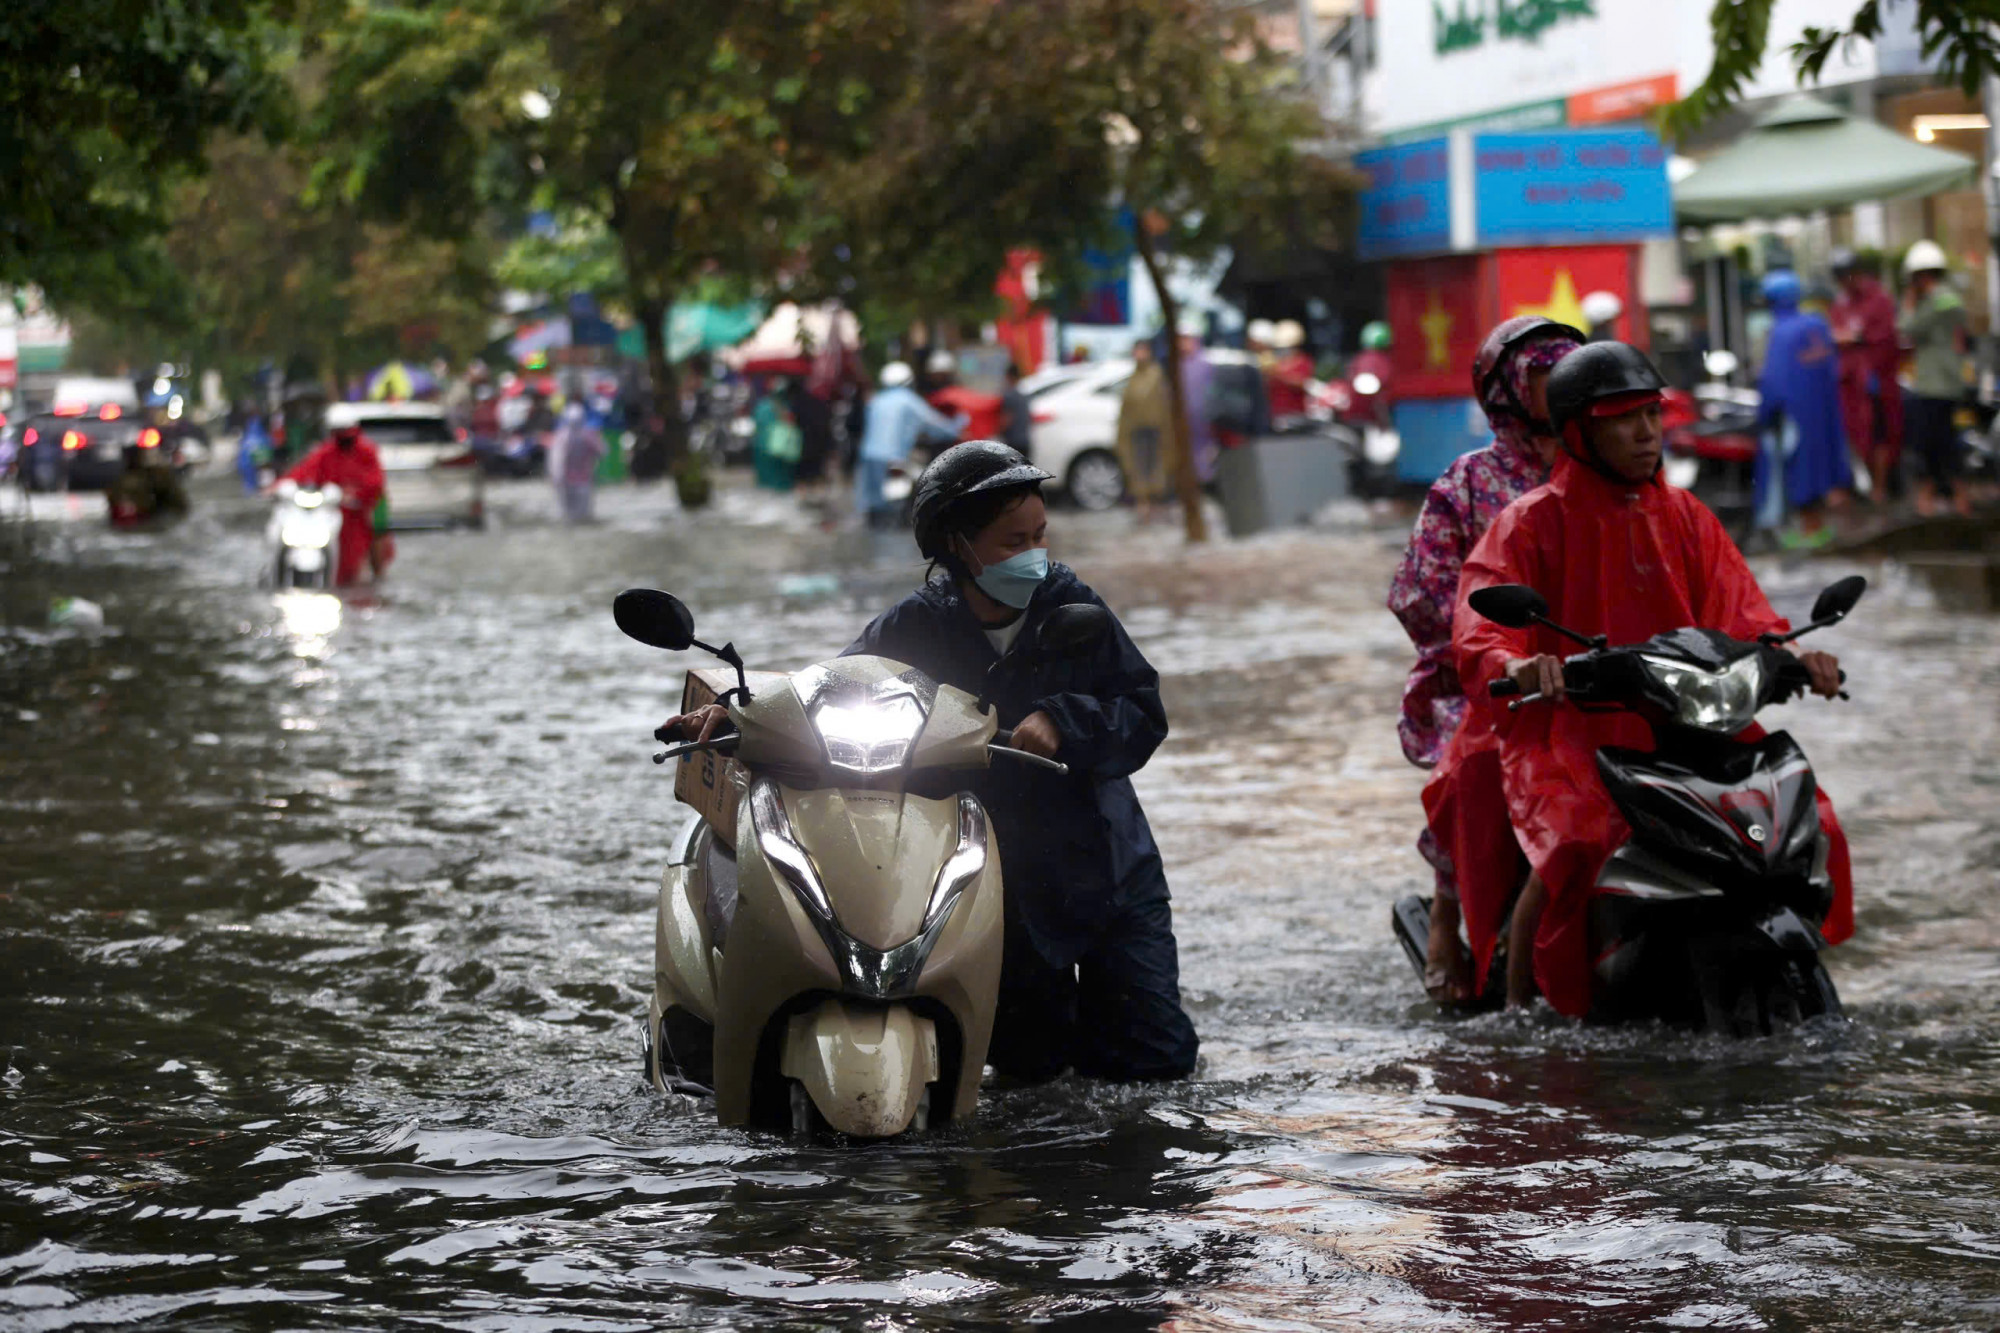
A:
x,y
1090,979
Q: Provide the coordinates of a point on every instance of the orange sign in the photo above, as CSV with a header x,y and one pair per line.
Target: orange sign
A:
x,y
1621,101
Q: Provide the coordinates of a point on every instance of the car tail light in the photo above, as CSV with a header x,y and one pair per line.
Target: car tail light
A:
x,y
30,436
110,412
459,432
68,409
149,438
74,440
1042,418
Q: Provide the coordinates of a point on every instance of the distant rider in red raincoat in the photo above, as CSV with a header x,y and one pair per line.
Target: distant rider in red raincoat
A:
x,y
1616,551
348,461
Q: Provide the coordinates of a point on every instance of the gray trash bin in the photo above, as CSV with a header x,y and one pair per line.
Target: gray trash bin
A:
x,y
1280,481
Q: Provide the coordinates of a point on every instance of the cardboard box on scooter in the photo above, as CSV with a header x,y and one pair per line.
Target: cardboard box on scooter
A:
x,y
713,784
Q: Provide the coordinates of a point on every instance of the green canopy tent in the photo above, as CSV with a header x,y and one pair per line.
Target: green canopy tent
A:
x,y
697,326
1804,155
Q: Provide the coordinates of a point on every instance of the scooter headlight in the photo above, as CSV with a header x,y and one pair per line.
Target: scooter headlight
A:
x,y
868,736
1724,701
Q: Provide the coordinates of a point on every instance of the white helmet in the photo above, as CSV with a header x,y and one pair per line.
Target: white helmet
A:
x,y
1601,307
1261,331
896,374
1288,333
942,362
1924,257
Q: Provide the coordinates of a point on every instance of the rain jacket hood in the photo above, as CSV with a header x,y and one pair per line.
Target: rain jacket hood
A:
x,y
1628,561
1071,848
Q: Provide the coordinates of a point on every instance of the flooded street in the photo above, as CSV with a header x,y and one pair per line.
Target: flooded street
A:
x,y
326,927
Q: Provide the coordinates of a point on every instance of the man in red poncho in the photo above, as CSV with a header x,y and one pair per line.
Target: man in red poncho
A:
x,y
348,461
1616,551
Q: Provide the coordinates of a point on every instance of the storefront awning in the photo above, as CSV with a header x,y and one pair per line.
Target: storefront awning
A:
x,y
1805,154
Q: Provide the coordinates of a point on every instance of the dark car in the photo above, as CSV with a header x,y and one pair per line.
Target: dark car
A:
x,y
76,453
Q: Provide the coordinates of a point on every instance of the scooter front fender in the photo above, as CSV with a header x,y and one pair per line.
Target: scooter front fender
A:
x,y
865,1066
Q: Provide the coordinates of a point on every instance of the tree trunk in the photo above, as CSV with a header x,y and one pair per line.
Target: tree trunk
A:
x,y
1186,480
660,437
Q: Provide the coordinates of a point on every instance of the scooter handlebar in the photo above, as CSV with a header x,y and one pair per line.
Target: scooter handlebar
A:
x,y
1502,686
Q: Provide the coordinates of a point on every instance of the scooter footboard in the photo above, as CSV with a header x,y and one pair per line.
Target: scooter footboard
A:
x,y
864,1065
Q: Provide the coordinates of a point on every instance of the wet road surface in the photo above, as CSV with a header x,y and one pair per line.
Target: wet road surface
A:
x,y
325,925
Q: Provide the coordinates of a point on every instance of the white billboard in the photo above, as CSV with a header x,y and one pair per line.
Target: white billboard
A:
x,y
1440,61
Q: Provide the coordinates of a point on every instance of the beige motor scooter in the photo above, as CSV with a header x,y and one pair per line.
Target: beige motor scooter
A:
x,y
829,933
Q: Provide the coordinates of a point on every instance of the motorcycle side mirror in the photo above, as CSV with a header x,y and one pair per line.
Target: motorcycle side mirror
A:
x,y
658,619
1838,599
1074,630
1514,605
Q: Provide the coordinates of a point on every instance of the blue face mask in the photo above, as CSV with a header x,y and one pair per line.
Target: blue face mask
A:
x,y
1012,582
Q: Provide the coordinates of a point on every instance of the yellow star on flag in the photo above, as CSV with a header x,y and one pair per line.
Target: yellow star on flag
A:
x,y
1562,305
1436,325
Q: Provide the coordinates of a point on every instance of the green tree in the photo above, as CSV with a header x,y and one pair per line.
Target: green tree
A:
x,y
1035,125
690,129
254,272
1962,36
104,105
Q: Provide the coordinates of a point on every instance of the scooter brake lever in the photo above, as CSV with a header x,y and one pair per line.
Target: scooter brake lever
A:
x,y
1518,704
1052,765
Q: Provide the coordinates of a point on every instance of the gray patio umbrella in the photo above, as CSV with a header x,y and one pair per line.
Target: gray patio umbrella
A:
x,y
1805,154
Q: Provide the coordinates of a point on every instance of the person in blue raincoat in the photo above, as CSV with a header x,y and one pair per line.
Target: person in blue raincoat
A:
x,y
253,453
1800,416
1090,980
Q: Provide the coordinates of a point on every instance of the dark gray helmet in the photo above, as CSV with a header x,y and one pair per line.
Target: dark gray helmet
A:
x,y
1595,373
959,472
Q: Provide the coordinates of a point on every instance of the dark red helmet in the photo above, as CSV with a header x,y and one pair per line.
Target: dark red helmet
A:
x,y
1489,386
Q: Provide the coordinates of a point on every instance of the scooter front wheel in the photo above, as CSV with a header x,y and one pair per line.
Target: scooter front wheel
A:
x,y
807,1122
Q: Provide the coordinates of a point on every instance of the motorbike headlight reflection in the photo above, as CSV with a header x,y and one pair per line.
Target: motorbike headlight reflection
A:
x,y
869,737
1724,701
782,850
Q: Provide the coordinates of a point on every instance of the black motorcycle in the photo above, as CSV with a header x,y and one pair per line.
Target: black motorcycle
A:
x,y
1709,916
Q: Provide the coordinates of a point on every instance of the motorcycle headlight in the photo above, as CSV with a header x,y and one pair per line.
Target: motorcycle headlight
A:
x,y
1724,701
868,736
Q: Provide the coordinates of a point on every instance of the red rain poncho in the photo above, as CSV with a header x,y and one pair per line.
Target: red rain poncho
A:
x,y
358,472
1627,561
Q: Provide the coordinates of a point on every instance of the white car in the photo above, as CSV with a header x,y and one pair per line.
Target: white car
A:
x,y
433,479
1075,429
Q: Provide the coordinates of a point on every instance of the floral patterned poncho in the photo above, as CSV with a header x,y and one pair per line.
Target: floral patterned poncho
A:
x,y
1457,512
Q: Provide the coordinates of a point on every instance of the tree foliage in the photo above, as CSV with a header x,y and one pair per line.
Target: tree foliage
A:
x,y
104,104
1961,36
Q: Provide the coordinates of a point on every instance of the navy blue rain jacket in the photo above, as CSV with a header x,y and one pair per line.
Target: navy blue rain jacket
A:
x,y
1072,849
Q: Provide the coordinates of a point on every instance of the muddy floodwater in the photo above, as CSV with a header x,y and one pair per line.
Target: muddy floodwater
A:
x,y
326,925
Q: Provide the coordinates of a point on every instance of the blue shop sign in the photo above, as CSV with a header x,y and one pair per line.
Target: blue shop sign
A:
x,y
1406,206
1570,187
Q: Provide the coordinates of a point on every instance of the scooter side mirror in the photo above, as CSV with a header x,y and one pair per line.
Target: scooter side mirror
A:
x,y
1720,363
1838,599
1514,605
658,619
286,489
1074,630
